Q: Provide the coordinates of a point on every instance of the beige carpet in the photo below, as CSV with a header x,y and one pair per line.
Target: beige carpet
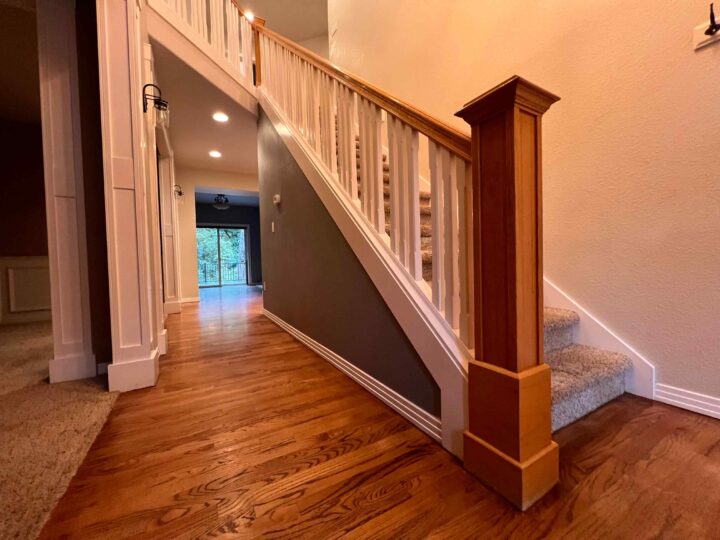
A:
x,y
45,430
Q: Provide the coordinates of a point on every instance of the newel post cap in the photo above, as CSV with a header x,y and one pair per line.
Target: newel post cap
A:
x,y
514,91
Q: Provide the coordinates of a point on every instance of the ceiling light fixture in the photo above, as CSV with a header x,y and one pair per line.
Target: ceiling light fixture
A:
x,y
221,202
215,154
250,16
221,117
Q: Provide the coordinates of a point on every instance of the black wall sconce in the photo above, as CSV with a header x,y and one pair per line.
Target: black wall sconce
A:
x,y
714,26
158,102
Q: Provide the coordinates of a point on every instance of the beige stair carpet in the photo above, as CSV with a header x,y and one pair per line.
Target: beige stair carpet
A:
x,y
45,430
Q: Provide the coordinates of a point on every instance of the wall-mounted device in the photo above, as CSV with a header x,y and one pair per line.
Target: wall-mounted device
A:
x,y
706,33
276,199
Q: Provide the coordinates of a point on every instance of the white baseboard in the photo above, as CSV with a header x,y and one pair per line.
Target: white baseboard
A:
x,y
592,332
693,401
72,368
126,376
425,421
172,307
190,299
162,342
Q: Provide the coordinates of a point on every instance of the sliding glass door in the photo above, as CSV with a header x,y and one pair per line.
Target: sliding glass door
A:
x,y
222,256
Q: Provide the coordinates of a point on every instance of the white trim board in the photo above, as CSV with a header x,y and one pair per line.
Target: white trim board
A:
x,y
425,421
641,379
692,401
190,299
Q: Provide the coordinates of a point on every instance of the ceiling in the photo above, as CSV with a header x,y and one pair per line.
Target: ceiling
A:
x,y
236,198
193,132
295,19
19,79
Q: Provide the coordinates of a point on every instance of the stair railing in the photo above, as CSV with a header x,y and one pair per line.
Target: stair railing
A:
x,y
486,201
330,109
218,28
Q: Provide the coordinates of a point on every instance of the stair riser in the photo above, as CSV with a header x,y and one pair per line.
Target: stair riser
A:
x,y
567,411
559,337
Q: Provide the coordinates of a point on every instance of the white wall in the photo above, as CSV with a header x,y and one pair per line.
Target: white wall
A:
x,y
320,45
631,181
190,179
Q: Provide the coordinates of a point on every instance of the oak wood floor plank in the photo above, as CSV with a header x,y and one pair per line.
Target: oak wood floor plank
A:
x,y
250,434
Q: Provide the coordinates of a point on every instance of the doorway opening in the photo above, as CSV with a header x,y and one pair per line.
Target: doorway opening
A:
x,y
222,256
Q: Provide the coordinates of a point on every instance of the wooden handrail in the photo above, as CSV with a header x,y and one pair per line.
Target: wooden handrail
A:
x,y
442,133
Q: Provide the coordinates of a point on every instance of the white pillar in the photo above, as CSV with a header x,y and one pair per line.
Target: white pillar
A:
x,y
128,194
64,197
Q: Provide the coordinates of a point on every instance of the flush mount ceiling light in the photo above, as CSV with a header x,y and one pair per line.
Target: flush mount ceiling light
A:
x,y
221,202
250,16
215,154
221,117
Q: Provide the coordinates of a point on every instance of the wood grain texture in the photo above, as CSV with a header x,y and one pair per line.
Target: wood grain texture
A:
x,y
250,434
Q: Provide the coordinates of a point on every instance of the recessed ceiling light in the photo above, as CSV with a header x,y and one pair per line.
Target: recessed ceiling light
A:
x,y
220,117
215,154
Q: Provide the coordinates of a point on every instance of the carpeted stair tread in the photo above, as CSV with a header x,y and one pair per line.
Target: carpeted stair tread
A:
x,y
583,379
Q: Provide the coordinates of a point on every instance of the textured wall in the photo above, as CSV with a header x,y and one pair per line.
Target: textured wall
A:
x,y
631,181
205,214
315,283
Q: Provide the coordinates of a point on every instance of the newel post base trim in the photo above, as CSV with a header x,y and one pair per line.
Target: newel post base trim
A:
x,y
523,484
508,444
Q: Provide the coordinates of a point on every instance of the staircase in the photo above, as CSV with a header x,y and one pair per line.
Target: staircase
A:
x,y
583,378
460,267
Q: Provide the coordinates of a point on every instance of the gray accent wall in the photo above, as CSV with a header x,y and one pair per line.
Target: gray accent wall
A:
x,y
314,281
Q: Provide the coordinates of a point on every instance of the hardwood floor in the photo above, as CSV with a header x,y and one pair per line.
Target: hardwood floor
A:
x,y
248,433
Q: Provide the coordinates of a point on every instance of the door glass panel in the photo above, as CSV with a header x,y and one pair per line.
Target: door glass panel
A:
x,y
233,266
208,257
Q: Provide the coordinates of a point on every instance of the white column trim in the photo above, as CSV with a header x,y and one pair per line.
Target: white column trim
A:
x,y
64,192
134,342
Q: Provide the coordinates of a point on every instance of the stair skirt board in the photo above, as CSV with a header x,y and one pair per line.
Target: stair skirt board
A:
x,y
641,378
425,421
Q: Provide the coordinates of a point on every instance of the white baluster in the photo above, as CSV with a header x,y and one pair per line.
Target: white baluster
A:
x,y
376,167
316,110
437,191
465,220
332,123
395,164
410,182
452,239
364,146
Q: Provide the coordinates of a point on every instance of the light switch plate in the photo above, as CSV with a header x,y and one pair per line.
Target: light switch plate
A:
x,y
700,40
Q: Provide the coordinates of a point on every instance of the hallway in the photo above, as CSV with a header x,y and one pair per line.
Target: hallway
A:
x,y
248,433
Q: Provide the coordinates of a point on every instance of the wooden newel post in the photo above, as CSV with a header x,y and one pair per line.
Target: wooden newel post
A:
x,y
508,444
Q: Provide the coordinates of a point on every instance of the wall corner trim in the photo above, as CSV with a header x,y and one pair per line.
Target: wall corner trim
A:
x,y
73,367
135,374
692,401
641,380
425,421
